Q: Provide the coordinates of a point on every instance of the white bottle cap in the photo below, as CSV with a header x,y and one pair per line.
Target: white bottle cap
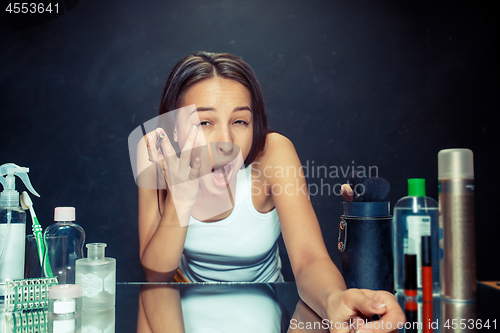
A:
x,y
64,214
65,291
455,163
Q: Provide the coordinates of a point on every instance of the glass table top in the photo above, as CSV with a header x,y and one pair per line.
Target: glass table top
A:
x,y
255,307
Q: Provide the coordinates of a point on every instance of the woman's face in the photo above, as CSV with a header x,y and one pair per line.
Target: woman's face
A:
x,y
224,114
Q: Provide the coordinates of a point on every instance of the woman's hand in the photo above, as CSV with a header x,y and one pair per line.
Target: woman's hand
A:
x,y
182,177
347,311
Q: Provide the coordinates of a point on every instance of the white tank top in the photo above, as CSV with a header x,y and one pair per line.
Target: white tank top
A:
x,y
241,247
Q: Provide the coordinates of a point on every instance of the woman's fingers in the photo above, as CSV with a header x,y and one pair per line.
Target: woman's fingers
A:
x,y
195,169
165,144
160,150
187,150
351,306
366,305
176,170
158,139
150,139
384,304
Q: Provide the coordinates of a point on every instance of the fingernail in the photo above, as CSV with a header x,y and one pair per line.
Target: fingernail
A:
x,y
197,160
193,129
377,306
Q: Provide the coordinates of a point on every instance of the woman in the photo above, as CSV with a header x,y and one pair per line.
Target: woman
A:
x,y
226,233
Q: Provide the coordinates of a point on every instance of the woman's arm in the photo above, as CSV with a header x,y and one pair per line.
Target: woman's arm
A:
x,y
162,237
316,275
160,309
319,282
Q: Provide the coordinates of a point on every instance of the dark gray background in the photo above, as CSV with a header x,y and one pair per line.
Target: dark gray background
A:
x,y
363,83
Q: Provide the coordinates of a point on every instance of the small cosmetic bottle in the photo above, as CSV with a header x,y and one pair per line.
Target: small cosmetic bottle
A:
x,y
415,215
65,304
97,276
64,241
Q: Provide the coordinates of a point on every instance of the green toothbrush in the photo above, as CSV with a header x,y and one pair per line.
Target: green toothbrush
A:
x,y
26,203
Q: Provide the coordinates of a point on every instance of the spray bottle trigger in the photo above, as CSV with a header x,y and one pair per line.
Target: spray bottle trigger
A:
x,y
11,169
24,177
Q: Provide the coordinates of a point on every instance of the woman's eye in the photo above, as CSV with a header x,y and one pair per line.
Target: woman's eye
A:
x,y
241,122
204,123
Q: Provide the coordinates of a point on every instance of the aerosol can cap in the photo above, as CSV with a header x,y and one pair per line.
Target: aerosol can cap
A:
x,y
456,163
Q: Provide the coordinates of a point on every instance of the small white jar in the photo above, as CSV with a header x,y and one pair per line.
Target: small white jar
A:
x,y
65,304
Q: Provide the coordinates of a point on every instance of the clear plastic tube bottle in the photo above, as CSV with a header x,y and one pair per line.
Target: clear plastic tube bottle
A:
x,y
415,215
64,240
97,276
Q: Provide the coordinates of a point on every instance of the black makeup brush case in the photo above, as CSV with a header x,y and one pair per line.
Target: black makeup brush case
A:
x,y
365,241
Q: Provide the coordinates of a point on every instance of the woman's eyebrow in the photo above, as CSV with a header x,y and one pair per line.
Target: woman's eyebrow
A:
x,y
242,108
203,109
239,108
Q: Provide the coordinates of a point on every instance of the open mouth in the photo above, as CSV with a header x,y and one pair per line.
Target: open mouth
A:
x,y
221,174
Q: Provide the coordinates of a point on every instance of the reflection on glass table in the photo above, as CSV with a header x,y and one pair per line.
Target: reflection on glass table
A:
x,y
251,307
240,307
213,308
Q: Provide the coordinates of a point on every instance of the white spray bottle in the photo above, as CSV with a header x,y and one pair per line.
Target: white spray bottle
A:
x,y
12,224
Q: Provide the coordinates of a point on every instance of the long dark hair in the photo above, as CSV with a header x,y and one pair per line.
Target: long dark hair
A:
x,y
204,65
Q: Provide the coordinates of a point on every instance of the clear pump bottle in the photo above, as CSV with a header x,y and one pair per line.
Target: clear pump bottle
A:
x,y
12,224
64,240
97,276
415,215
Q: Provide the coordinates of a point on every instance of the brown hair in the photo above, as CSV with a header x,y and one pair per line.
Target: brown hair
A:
x,y
204,65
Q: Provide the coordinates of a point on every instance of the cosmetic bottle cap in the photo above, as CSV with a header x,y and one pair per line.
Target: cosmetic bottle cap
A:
x,y
64,214
455,163
416,187
65,291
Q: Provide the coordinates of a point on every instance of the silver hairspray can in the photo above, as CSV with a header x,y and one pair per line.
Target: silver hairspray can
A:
x,y
457,224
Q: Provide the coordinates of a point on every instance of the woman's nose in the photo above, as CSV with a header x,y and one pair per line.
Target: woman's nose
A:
x,y
224,148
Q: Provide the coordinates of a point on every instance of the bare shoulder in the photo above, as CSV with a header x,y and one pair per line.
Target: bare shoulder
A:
x,y
277,140
279,152
277,145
